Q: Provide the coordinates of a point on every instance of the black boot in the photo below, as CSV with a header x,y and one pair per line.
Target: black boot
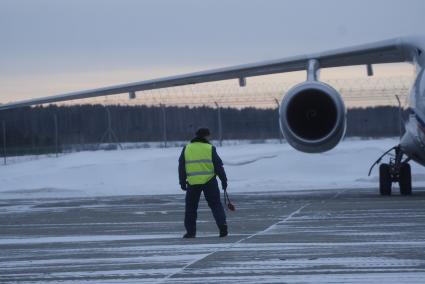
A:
x,y
189,236
223,230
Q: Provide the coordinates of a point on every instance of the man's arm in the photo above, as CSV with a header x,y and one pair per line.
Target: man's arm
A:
x,y
182,170
218,168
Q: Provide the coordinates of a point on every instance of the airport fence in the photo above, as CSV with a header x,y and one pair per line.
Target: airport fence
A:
x,y
169,117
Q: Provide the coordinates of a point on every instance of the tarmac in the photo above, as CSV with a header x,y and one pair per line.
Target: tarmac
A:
x,y
321,236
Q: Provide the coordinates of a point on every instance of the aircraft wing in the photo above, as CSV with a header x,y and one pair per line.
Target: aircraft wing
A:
x,y
388,51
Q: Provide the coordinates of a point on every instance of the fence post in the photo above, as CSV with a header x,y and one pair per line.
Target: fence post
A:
x,y
220,128
55,120
109,121
278,116
164,125
4,141
109,133
400,117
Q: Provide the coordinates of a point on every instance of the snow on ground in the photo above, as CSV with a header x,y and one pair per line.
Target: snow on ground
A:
x,y
250,168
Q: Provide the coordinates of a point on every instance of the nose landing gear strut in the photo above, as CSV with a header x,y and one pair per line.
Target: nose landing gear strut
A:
x,y
397,170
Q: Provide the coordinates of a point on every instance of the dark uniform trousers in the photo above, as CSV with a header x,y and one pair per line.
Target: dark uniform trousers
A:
x,y
212,195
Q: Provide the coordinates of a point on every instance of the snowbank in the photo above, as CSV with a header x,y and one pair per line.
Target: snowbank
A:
x,y
250,168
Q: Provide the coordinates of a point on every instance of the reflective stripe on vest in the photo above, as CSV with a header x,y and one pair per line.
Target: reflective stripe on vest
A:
x,y
198,163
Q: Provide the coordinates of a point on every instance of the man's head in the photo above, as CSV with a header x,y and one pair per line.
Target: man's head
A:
x,y
202,132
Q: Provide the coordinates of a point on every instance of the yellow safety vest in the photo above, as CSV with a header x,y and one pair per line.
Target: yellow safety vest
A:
x,y
198,163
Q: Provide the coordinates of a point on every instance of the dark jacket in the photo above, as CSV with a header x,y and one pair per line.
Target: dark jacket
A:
x,y
217,162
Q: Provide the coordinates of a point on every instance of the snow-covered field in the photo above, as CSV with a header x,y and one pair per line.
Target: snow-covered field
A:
x,y
250,167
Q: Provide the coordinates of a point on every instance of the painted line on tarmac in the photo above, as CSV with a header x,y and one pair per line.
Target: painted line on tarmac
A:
x,y
274,225
249,237
340,192
163,280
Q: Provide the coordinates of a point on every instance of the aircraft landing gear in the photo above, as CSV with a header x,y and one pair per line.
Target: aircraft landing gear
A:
x,y
385,181
396,170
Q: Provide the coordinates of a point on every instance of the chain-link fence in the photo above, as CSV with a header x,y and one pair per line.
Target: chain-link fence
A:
x,y
165,117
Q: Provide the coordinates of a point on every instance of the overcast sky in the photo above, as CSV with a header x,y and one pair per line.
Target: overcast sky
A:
x,y
53,46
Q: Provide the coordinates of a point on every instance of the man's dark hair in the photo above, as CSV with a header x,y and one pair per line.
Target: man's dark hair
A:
x,y
202,132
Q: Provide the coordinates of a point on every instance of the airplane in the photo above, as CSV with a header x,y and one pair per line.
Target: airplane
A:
x,y
312,115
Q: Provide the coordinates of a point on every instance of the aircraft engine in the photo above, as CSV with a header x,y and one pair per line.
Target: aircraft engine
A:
x,y
313,117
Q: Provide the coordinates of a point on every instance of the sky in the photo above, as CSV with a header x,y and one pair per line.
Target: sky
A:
x,y
49,47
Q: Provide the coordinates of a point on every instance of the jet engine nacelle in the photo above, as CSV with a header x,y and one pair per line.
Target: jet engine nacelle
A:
x,y
313,117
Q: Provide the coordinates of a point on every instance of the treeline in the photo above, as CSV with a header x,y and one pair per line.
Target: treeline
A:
x,y
34,128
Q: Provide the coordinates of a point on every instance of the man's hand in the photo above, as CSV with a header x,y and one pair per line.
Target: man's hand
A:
x,y
183,187
224,185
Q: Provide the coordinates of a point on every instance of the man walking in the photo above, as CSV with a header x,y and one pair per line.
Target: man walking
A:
x,y
199,164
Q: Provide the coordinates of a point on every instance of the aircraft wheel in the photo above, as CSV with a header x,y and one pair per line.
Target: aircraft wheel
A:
x,y
385,181
405,182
